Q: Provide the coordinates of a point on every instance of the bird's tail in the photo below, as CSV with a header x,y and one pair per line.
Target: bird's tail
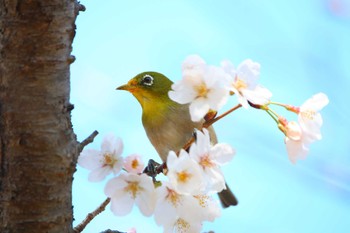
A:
x,y
227,198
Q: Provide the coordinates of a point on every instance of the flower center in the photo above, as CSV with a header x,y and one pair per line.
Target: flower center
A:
x,y
205,161
202,199
182,225
183,176
309,114
133,188
173,197
108,159
202,90
134,163
240,84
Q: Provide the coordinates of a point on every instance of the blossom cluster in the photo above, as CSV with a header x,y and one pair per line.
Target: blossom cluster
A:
x,y
207,88
183,201
299,135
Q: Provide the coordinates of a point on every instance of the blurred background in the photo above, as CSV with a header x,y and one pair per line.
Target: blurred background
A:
x,y
303,48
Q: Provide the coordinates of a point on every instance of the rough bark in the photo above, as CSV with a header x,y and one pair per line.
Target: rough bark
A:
x,y
38,147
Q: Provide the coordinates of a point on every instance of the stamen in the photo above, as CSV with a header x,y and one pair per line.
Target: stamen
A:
x,y
202,90
183,176
240,84
309,114
133,188
182,225
108,160
205,161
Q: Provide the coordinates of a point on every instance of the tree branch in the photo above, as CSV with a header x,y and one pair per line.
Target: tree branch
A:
x,y
111,231
212,121
87,141
79,228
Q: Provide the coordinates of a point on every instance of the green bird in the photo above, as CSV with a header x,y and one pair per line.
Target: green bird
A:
x,y
168,124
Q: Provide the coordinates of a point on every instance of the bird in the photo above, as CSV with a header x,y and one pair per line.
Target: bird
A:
x,y
168,124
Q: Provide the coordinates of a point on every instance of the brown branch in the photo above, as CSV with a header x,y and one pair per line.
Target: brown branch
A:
x,y
212,121
208,123
87,141
113,231
79,228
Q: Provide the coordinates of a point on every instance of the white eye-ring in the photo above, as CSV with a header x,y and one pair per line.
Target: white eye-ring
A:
x,y
147,80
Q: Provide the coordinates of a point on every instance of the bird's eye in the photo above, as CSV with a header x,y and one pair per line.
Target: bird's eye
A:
x,y
147,80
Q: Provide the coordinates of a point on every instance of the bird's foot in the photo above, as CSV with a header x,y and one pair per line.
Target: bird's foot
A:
x,y
152,169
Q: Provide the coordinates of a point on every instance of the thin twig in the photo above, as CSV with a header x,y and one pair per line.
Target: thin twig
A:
x,y
113,231
87,141
79,228
210,122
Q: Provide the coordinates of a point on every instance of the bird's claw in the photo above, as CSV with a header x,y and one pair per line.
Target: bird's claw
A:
x,y
152,169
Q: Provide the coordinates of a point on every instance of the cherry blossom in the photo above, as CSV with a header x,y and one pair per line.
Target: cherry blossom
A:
x,y
128,189
105,161
245,83
133,164
309,117
210,158
202,86
300,135
296,149
192,62
296,145
184,213
184,173
210,209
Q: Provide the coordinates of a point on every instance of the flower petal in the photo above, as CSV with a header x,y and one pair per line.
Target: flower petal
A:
x,y
99,173
296,150
198,109
89,159
222,153
316,102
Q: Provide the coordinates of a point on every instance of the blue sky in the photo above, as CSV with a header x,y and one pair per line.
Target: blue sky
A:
x,y
303,48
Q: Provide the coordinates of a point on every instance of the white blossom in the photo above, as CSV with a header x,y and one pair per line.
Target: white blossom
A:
x,y
107,160
202,86
309,117
210,209
177,212
210,158
245,83
133,163
184,173
296,149
128,189
300,135
192,62
296,145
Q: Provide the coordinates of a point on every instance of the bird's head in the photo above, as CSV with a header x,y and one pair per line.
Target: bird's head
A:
x,y
149,88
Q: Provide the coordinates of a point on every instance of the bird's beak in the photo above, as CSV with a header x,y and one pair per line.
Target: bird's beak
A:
x,y
124,87
130,86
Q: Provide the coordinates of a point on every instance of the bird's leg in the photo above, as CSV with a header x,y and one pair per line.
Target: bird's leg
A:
x,y
152,169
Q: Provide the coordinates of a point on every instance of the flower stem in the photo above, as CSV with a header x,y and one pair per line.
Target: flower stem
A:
x,y
278,104
210,122
273,115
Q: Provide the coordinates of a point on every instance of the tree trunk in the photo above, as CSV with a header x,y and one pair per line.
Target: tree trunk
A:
x,y
38,147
